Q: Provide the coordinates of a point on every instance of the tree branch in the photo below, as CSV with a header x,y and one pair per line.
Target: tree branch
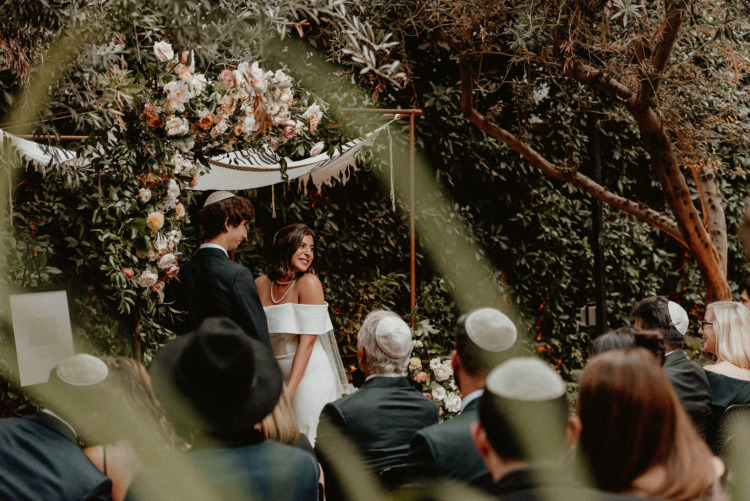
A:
x,y
597,80
713,212
669,29
639,210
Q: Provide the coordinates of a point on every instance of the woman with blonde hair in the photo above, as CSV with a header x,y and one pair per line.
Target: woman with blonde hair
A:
x,y
636,438
726,334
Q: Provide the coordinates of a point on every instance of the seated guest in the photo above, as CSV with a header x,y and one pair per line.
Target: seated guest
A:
x,y
629,337
726,334
744,290
636,438
445,450
219,383
135,425
687,378
524,432
39,454
281,425
385,413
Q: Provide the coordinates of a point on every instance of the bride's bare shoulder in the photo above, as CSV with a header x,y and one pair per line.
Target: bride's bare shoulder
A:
x,y
262,281
310,289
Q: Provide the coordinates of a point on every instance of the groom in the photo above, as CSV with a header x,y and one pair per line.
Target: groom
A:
x,y
211,284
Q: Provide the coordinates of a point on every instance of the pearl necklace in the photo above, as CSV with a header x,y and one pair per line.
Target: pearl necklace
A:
x,y
287,291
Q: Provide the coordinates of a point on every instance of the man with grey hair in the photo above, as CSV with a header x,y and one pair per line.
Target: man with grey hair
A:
x,y
385,413
483,339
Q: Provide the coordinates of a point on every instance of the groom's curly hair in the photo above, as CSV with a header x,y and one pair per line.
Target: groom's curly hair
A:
x,y
233,210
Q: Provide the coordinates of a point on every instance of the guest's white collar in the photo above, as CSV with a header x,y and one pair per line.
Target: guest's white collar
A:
x,y
390,374
47,411
670,352
471,397
208,245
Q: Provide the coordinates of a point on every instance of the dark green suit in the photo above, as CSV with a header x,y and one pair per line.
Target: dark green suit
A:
x,y
446,450
41,459
381,418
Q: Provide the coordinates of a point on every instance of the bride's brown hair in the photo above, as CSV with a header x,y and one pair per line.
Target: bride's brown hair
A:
x,y
285,243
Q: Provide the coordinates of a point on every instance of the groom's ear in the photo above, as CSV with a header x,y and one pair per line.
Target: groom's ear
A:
x,y
226,223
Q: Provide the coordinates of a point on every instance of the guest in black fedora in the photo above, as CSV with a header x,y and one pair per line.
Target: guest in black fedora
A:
x,y
216,383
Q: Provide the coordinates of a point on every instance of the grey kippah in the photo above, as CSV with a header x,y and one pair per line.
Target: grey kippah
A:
x,y
393,337
490,329
678,317
81,370
526,379
217,196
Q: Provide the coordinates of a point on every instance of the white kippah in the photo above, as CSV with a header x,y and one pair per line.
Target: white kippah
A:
x,y
393,337
527,379
217,196
678,317
490,329
82,370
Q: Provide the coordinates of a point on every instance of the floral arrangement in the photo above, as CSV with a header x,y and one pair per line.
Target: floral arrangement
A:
x,y
187,117
437,384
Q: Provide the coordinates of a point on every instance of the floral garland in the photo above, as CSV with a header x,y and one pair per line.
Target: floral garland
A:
x,y
185,118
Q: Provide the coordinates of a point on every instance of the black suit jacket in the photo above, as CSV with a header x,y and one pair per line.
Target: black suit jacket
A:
x,y
212,285
691,385
446,450
381,418
41,459
542,484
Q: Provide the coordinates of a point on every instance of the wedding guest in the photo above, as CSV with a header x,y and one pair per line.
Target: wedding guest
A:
x,y
220,383
726,334
211,284
483,338
135,424
524,432
281,425
385,413
744,290
39,454
687,378
636,438
629,337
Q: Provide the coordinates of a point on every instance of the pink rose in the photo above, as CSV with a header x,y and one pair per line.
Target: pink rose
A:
x,y
128,272
421,377
172,271
227,77
289,131
158,286
179,210
428,395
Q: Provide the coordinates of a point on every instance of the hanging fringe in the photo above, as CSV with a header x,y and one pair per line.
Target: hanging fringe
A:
x,y
390,150
273,202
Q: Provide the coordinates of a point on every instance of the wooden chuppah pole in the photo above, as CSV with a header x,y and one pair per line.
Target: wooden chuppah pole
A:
x,y
399,113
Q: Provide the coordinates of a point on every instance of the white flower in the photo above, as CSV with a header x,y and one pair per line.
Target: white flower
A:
x,y
248,125
281,77
442,373
161,244
144,194
313,114
415,363
317,148
167,260
257,78
178,93
417,343
439,393
181,163
147,279
220,127
198,82
174,236
452,385
435,363
173,190
177,126
163,51
452,402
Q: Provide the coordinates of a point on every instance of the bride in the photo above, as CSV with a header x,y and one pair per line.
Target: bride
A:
x,y
299,326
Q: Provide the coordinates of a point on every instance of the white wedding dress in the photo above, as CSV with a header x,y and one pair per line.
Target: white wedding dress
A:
x,y
324,379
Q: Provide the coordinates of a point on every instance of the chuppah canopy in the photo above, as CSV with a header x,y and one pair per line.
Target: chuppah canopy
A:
x,y
239,170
